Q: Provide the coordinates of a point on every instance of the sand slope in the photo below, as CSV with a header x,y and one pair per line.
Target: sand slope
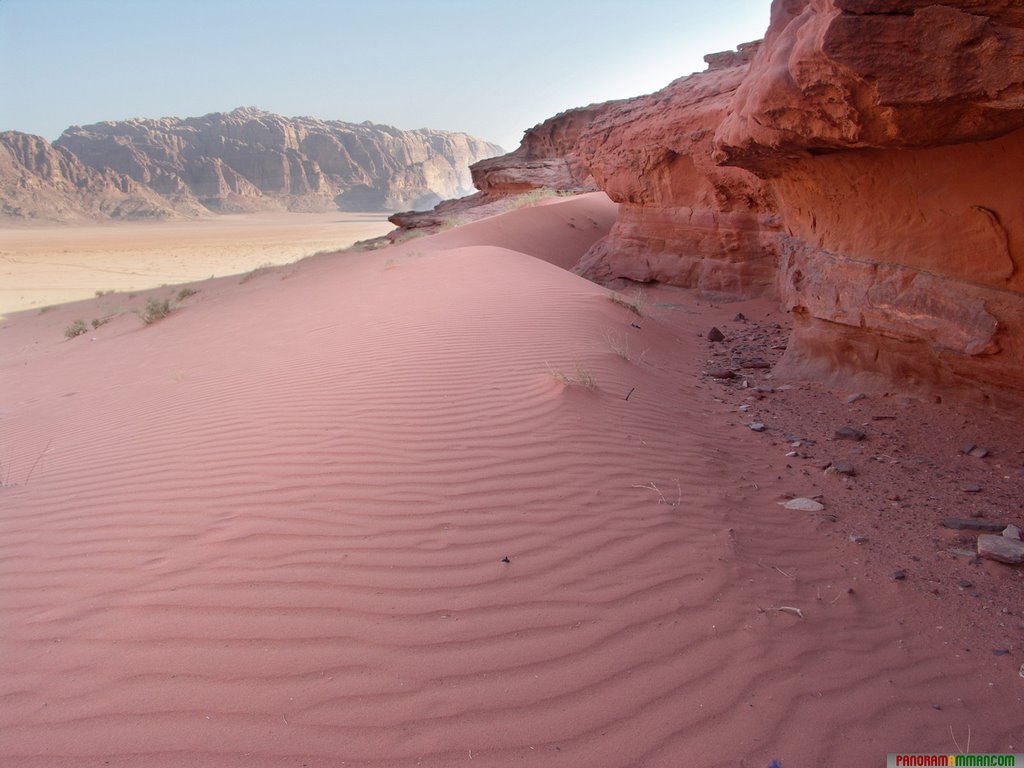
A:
x,y
270,529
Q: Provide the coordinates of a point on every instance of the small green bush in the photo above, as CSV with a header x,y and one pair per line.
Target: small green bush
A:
x,y
77,328
155,309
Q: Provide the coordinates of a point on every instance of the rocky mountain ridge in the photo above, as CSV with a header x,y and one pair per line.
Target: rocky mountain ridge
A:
x,y
244,160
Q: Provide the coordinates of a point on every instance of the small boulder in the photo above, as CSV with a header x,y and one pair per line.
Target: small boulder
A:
x,y
757,426
802,504
970,487
843,468
849,433
1012,532
715,335
1001,549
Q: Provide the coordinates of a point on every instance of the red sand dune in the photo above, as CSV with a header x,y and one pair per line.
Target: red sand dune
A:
x,y
269,530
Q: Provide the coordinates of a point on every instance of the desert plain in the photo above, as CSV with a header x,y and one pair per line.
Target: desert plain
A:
x,y
45,265
447,503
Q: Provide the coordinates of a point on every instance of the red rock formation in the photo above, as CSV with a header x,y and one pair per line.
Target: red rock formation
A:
x,y
890,132
249,159
45,183
684,220
547,157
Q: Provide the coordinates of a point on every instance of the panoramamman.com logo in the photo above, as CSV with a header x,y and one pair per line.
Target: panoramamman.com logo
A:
x,y
911,760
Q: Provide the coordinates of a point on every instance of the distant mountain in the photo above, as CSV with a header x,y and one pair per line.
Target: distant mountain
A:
x,y
42,182
250,159
245,160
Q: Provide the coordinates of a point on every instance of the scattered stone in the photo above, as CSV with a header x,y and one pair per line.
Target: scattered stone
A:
x,y
899,575
1001,549
740,317
715,335
962,552
505,559
1000,651
965,584
755,362
756,426
843,468
849,433
882,417
936,707
1021,670
970,449
855,397
1012,532
765,389
856,538
960,524
970,487
803,504
722,373
745,408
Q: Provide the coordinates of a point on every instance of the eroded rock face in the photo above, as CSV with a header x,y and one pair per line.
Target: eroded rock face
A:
x,y
891,135
547,157
249,160
45,183
683,220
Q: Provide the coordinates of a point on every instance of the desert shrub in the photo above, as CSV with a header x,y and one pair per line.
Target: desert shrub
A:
x,y
634,303
530,198
184,293
582,378
155,309
77,328
98,321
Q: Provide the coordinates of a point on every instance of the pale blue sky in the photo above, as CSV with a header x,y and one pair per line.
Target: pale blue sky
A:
x,y
492,68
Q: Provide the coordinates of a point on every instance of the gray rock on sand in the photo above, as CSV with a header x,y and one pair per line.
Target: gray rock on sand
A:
x,y
1012,532
850,433
802,504
1001,549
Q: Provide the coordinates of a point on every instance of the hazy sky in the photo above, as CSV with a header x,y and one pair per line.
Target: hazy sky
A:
x,y
492,68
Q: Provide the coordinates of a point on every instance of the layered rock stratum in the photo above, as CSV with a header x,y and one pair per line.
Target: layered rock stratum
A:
x,y
245,160
862,163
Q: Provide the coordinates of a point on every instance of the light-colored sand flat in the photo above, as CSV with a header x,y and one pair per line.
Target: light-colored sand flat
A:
x,y
363,511
42,266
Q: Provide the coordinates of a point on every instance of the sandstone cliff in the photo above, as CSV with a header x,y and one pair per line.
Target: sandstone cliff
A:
x,y
250,160
45,183
891,134
683,219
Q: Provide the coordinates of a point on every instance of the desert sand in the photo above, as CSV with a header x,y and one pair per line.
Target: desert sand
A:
x,y
448,504
45,265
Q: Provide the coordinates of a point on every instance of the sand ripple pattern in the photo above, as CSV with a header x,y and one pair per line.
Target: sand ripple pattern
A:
x,y
271,532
